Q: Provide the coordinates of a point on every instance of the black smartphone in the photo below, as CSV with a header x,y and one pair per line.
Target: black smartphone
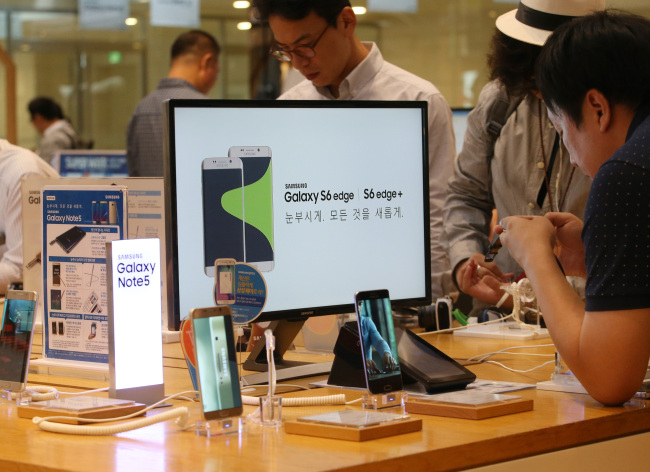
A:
x,y
69,239
16,336
378,345
56,274
223,210
214,345
493,249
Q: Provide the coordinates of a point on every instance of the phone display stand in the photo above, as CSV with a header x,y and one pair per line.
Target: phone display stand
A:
x,y
270,411
562,379
222,427
393,402
16,398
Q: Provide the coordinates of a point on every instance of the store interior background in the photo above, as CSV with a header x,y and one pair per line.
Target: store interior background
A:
x,y
100,76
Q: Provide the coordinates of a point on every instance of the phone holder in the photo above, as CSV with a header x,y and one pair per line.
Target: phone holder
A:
x,y
270,411
17,398
393,402
214,428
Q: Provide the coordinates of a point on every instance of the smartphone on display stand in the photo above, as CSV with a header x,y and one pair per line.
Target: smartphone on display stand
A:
x,y
214,344
378,344
223,210
16,336
258,205
225,281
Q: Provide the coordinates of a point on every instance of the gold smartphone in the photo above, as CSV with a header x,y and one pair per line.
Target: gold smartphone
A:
x,y
214,345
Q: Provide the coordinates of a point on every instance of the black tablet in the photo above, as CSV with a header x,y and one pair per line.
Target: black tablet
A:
x,y
429,366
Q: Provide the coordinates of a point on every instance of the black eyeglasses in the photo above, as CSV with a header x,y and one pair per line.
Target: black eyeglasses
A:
x,y
305,51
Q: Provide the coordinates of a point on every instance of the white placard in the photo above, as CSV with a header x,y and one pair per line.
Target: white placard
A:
x,y
183,13
135,334
103,14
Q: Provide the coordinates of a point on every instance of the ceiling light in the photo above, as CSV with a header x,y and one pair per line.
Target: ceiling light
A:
x,y
131,21
244,25
359,10
241,4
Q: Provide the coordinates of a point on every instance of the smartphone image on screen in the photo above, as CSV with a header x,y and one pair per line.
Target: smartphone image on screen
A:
x,y
258,205
56,274
378,344
223,210
16,338
225,281
214,344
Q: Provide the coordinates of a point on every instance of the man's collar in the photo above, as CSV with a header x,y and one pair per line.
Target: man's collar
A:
x,y
639,117
53,127
359,76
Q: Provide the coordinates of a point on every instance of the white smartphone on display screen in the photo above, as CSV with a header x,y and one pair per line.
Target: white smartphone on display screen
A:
x,y
223,210
258,205
225,275
16,336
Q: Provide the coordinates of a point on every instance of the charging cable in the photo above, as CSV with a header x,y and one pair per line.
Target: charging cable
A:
x,y
338,399
53,423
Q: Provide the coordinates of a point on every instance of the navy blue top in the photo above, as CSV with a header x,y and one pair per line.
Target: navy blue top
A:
x,y
616,232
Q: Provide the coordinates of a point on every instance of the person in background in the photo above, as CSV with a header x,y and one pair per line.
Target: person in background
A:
x,y
15,163
318,38
512,158
594,75
58,134
192,74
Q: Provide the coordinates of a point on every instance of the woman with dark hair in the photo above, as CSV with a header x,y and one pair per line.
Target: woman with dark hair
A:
x,y
512,159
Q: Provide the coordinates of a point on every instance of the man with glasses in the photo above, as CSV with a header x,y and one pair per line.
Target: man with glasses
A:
x,y
318,38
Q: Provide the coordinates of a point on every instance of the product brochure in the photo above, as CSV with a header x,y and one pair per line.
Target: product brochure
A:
x,y
78,221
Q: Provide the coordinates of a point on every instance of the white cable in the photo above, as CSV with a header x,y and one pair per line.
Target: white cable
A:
x,y
520,371
181,413
504,350
467,326
338,399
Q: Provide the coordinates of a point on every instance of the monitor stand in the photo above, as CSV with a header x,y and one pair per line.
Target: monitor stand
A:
x,y
284,331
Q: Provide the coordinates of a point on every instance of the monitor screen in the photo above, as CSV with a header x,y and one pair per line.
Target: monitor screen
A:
x,y
326,198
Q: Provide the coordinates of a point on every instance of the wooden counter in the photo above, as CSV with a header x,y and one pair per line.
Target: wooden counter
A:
x,y
558,421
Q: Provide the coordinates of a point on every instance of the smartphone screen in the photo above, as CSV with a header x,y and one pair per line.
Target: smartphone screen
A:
x,y
258,205
223,214
225,283
214,346
378,344
56,274
16,338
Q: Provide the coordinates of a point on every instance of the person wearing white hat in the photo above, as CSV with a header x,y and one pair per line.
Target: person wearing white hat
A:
x,y
512,158
594,75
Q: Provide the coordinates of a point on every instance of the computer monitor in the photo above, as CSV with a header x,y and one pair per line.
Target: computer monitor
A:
x,y
347,202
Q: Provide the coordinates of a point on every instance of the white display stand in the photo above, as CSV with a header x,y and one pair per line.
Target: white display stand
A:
x,y
504,330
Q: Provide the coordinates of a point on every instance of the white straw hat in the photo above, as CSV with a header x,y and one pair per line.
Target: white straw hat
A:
x,y
534,20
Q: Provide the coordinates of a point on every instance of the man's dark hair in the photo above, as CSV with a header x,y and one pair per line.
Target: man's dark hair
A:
x,y
46,107
512,62
299,9
196,42
606,51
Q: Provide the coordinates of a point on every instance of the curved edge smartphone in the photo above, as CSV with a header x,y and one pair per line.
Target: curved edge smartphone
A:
x,y
225,279
378,344
16,335
222,193
258,205
214,345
